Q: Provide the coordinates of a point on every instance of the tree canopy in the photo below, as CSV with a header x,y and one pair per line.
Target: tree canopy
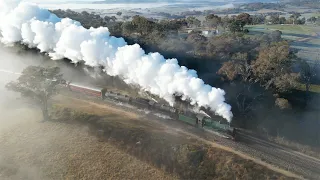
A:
x,y
212,20
38,84
272,68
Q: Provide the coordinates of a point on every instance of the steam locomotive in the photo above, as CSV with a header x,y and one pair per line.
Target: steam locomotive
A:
x,y
199,120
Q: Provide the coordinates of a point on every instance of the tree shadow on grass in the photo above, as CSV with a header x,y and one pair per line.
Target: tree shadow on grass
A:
x,y
176,154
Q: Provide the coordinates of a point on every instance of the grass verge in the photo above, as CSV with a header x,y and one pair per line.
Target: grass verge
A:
x,y
315,88
308,150
174,153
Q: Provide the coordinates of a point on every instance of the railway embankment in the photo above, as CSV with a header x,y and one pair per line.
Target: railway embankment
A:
x,y
162,147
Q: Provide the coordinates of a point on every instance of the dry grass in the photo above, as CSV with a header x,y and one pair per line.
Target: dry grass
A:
x,y
50,151
173,152
308,150
313,88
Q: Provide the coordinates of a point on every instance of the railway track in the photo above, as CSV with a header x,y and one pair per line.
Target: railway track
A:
x,y
284,158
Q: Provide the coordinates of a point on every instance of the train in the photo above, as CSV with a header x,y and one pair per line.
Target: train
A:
x,y
200,120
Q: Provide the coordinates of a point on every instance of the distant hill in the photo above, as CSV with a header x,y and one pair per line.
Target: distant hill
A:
x,y
178,1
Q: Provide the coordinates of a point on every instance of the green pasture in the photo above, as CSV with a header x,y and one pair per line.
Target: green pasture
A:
x,y
286,29
313,88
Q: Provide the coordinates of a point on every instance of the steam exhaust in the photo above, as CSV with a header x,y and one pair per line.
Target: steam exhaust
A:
x,y
66,38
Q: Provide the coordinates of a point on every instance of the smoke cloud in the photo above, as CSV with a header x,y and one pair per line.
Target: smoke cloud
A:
x,y
66,38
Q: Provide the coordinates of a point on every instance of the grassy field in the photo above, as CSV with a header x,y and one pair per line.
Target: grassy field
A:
x,y
316,14
305,38
313,88
286,29
31,150
165,148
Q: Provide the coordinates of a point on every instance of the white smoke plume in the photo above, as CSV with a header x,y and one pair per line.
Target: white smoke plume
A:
x,y
65,38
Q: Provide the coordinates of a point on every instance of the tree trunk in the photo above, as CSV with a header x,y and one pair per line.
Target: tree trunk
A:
x,y
307,92
44,109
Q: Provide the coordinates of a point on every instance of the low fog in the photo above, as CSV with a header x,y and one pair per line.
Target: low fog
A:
x,y
31,150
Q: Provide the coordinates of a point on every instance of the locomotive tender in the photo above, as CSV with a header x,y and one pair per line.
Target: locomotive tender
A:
x,y
193,119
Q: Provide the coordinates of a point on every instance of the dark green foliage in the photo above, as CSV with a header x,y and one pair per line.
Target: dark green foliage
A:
x,y
240,59
244,19
86,19
312,19
276,19
119,13
294,16
142,25
235,26
193,22
258,19
259,5
212,20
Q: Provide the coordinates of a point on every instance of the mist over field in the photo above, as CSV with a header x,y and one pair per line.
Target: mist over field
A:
x,y
140,4
253,64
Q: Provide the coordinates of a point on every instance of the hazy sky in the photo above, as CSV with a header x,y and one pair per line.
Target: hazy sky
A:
x,y
59,1
54,1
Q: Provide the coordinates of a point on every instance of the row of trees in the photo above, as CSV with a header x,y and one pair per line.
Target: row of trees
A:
x,y
293,19
255,6
245,66
236,23
233,23
306,3
314,20
243,58
163,36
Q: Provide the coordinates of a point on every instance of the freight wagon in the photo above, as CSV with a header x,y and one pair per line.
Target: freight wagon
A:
x,y
117,96
97,92
190,118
